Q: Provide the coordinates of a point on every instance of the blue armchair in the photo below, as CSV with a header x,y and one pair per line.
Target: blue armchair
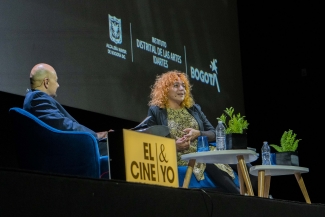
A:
x,y
43,148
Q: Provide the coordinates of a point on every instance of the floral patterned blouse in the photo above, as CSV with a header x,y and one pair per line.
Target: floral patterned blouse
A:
x,y
178,120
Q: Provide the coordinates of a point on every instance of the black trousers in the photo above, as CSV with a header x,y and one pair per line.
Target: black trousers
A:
x,y
222,179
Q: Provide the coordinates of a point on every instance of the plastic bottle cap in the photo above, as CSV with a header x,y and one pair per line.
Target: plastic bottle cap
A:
x,y
219,122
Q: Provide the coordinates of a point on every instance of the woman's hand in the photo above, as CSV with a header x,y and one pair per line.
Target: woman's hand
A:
x,y
182,143
191,133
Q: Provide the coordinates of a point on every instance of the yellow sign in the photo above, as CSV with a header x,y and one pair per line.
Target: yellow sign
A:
x,y
150,159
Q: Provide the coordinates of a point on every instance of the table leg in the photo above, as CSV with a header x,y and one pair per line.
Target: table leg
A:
x,y
245,175
267,181
241,181
189,172
261,183
302,187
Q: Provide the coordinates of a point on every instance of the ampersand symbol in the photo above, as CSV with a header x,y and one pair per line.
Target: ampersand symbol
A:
x,y
162,156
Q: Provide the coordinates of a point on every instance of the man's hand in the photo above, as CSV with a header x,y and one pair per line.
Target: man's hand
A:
x,y
102,135
191,134
182,143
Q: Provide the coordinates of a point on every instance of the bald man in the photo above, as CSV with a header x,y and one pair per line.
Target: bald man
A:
x,y
40,102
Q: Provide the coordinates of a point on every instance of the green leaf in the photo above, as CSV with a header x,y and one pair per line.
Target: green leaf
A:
x,y
223,119
276,147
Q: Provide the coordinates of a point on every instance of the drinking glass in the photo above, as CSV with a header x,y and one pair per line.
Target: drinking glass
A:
x,y
202,144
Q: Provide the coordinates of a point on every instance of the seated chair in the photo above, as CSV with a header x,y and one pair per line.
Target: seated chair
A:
x,y
43,148
205,183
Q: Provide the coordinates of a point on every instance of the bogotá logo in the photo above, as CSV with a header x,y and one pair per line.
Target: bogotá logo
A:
x,y
205,77
115,29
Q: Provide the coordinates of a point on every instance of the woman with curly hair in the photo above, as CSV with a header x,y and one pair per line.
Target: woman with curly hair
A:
x,y
172,105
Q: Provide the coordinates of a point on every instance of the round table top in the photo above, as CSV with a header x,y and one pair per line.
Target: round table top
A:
x,y
277,170
224,156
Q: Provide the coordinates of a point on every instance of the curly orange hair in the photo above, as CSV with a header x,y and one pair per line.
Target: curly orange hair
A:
x,y
159,91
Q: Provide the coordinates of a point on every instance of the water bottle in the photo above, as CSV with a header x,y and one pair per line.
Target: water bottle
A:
x,y
266,156
220,136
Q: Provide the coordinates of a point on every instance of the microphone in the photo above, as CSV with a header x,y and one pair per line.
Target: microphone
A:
x,y
142,124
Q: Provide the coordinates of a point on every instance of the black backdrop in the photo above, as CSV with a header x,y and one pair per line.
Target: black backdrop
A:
x,y
108,53
282,75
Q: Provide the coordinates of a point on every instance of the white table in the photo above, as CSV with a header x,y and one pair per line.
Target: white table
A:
x,y
238,156
264,173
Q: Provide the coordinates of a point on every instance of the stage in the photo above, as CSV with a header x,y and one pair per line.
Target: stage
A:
x,y
25,193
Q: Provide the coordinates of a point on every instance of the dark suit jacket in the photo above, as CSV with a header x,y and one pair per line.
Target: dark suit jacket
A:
x,y
159,117
47,109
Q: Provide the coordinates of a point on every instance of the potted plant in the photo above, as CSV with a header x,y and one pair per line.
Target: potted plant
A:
x,y
287,151
235,136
